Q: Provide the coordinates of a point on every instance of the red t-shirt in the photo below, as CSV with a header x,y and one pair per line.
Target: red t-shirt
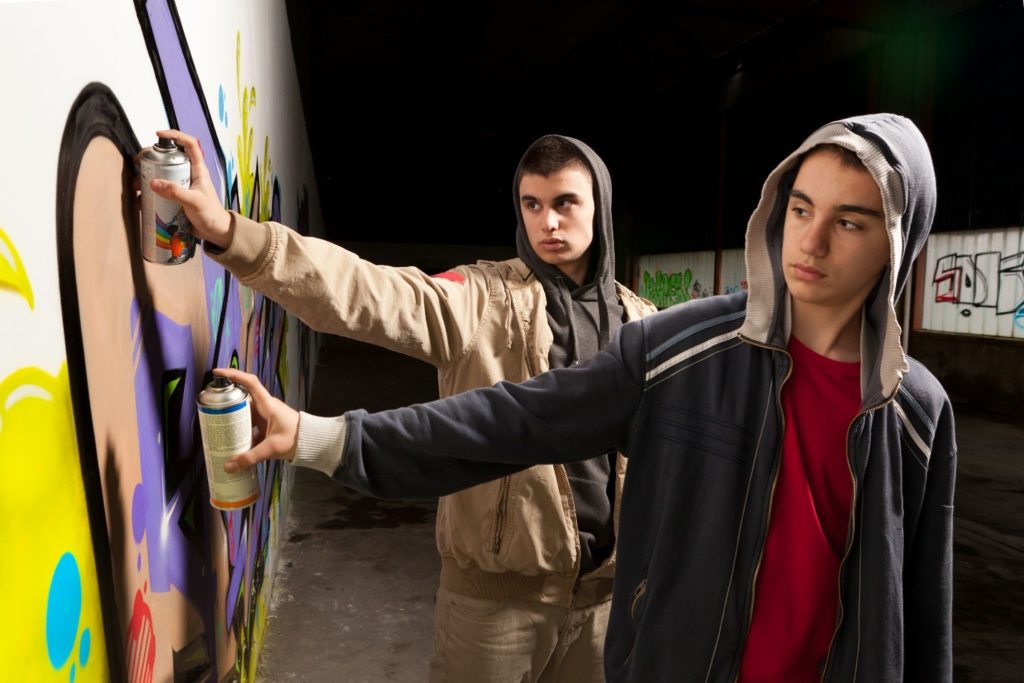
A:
x,y
798,584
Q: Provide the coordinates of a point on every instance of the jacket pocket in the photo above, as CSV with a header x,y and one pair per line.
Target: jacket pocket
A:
x,y
638,595
636,610
513,524
501,515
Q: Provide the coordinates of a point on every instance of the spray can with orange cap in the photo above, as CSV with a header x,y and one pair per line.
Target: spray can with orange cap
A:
x,y
165,233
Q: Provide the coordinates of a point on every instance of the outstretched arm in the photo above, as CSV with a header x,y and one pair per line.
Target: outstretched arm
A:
x,y
444,446
436,448
330,288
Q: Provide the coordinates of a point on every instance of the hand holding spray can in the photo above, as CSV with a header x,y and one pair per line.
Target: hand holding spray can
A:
x,y
225,420
165,233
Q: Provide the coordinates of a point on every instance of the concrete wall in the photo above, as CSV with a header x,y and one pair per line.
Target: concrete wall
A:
x,y
113,563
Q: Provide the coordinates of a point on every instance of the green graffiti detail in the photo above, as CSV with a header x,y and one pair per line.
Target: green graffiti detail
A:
x,y
666,290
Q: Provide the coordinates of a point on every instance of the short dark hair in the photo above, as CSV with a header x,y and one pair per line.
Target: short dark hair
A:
x,y
550,154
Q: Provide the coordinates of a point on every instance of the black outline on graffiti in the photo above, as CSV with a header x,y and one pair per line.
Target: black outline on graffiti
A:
x,y
172,119
95,113
956,273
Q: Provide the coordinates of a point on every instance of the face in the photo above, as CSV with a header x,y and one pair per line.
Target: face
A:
x,y
558,213
834,245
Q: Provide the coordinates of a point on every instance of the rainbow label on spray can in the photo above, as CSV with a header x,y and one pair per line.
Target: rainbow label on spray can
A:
x,y
225,420
165,234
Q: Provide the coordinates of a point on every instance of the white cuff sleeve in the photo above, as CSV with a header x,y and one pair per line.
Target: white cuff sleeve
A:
x,y
321,442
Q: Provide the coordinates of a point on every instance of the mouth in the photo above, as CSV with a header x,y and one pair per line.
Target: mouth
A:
x,y
805,272
551,244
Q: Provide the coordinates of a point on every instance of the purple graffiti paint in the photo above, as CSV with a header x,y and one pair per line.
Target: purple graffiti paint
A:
x,y
189,109
249,531
172,562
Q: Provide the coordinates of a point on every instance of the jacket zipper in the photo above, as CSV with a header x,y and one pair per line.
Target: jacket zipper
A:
x,y
775,480
501,512
771,494
499,519
851,528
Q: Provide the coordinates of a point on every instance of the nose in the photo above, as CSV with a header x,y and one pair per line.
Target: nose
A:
x,y
552,220
815,238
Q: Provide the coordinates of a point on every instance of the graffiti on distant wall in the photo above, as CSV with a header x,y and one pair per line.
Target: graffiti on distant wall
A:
x,y
986,280
734,271
976,283
666,290
741,286
670,279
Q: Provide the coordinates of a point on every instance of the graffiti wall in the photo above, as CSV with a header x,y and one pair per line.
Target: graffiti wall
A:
x,y
974,283
669,279
734,271
115,566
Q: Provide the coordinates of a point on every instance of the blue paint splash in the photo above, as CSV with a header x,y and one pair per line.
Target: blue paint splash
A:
x,y
63,609
84,647
222,110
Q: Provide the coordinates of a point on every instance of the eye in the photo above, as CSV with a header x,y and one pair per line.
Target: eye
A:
x,y
799,211
565,203
531,205
848,225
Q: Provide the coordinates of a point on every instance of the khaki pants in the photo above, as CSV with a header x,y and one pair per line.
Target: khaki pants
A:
x,y
491,641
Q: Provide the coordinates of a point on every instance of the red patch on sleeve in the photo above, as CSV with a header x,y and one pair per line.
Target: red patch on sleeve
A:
x,y
451,275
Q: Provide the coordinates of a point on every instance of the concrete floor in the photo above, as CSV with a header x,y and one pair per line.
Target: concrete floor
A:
x,y
354,597
357,576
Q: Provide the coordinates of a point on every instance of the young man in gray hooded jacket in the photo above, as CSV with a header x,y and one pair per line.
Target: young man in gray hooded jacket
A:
x,y
788,513
527,560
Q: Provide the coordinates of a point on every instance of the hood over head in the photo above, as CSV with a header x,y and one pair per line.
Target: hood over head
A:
x,y
896,155
583,318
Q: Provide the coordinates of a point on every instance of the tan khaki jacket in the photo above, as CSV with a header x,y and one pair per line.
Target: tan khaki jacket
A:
x,y
515,537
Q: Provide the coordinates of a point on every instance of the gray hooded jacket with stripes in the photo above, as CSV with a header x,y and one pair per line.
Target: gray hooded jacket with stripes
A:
x,y
691,395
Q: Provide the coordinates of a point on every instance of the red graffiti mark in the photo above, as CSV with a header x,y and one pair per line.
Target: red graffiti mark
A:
x,y
141,648
457,278
948,279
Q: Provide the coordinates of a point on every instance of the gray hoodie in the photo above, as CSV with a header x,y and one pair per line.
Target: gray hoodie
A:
x,y
582,318
896,155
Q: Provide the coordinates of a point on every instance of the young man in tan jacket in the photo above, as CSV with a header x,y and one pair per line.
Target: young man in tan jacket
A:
x,y
527,560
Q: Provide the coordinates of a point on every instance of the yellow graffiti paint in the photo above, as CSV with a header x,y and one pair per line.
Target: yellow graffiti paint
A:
x,y
244,145
246,103
266,186
51,626
12,271
256,629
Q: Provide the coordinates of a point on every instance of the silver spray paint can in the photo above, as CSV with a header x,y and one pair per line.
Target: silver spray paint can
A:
x,y
225,420
165,233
